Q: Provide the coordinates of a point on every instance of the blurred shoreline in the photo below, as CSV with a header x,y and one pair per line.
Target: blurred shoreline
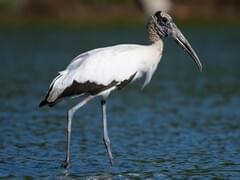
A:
x,y
109,13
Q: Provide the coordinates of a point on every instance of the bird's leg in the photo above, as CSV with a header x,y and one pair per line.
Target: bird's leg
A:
x,y
70,116
106,139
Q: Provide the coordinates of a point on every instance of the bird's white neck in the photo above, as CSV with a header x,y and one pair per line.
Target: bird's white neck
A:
x,y
156,50
158,45
153,59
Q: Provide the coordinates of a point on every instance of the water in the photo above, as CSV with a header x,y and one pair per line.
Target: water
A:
x,y
185,124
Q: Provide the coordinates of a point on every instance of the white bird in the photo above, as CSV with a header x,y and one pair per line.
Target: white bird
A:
x,y
100,71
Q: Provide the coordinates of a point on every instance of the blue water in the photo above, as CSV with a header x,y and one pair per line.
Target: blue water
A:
x,y
184,124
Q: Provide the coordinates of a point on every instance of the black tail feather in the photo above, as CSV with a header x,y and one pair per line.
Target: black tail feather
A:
x,y
43,103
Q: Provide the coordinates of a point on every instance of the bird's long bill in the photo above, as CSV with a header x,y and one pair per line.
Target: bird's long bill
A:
x,y
182,41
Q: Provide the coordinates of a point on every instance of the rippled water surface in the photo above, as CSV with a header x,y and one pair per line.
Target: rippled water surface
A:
x,y
184,124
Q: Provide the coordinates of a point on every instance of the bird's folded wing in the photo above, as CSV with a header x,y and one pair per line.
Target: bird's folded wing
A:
x,y
103,67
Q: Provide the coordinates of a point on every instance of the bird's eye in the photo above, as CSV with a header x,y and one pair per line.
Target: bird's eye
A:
x,y
164,19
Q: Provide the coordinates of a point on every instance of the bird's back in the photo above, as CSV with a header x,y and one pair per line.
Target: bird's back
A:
x,y
97,70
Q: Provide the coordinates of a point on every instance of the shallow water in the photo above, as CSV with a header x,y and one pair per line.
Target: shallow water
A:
x,y
184,124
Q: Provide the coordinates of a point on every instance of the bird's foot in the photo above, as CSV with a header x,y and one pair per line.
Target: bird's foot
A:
x,y
65,164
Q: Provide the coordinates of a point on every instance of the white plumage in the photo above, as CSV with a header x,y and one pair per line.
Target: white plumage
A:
x,y
100,71
105,65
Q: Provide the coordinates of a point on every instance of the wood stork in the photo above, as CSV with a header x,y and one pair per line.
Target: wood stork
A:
x,y
100,71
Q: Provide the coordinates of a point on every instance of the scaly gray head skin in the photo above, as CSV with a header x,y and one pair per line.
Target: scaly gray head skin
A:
x,y
161,25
